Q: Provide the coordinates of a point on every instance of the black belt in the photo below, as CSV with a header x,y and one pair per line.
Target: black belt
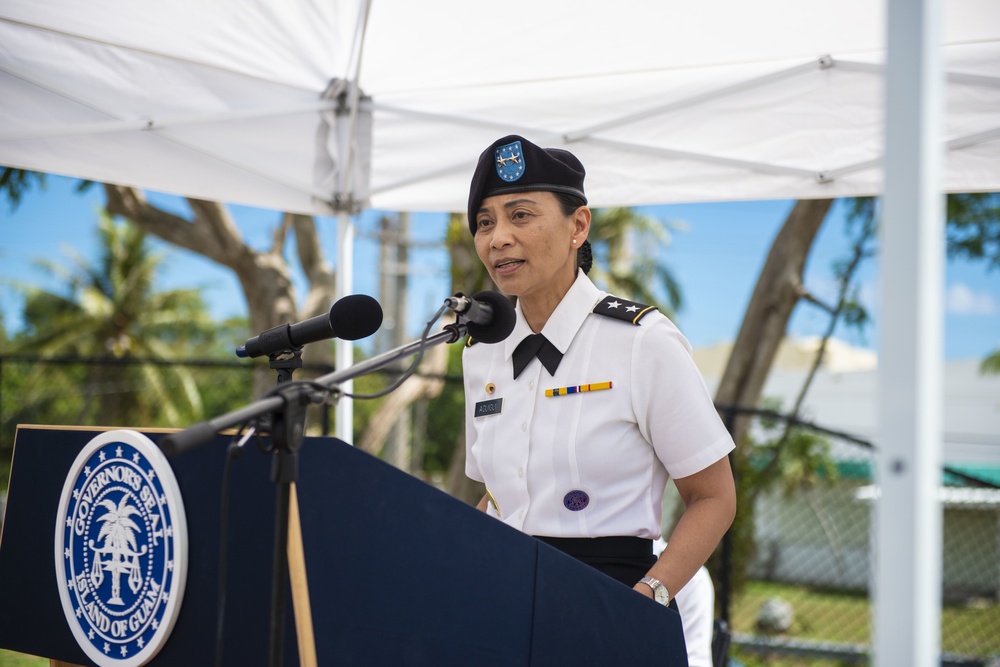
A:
x,y
601,547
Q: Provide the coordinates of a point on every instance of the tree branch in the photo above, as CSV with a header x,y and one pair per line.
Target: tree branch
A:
x,y
211,234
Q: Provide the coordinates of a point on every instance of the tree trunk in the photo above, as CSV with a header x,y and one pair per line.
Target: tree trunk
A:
x,y
778,290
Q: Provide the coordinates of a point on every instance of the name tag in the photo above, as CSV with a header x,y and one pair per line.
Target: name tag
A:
x,y
487,408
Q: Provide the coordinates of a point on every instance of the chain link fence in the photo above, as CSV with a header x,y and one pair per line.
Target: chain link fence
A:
x,y
806,595
795,591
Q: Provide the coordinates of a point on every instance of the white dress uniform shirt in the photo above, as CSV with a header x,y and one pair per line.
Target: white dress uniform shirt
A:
x,y
618,446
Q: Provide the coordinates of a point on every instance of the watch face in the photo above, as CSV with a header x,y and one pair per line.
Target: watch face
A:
x,y
661,595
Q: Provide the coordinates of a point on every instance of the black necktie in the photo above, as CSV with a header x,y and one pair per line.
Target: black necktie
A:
x,y
532,346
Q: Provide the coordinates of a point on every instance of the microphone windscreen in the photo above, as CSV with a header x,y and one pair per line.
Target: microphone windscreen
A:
x,y
355,316
503,322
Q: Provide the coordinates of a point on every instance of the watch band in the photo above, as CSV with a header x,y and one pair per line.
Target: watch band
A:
x,y
651,582
660,592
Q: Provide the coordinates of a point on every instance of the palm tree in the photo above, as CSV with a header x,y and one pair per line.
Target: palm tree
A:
x,y
111,310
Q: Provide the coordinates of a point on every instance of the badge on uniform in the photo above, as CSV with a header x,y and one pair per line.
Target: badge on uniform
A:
x,y
510,161
622,309
487,408
576,500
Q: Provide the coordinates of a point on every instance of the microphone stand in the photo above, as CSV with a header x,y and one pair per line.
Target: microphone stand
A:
x,y
287,412
287,429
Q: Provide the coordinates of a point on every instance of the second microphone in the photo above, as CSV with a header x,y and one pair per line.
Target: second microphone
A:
x,y
350,318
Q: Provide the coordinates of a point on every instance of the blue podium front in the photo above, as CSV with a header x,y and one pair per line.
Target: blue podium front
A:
x,y
399,573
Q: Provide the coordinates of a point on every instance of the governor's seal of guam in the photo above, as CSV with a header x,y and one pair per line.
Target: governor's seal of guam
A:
x,y
121,549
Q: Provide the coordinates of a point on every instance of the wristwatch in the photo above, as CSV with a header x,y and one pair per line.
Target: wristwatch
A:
x,y
660,592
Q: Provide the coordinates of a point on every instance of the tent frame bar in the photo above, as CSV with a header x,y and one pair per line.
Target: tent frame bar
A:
x,y
743,86
143,124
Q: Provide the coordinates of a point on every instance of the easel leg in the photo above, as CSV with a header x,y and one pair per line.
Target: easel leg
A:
x,y
300,587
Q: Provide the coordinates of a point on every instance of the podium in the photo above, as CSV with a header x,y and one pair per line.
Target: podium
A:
x,y
399,573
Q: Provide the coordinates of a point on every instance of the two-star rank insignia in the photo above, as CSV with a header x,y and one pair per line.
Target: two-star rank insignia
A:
x,y
622,309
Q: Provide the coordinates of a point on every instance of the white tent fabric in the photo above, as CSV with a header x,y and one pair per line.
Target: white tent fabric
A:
x,y
664,101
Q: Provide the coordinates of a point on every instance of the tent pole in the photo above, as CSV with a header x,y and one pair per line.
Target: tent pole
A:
x,y
345,349
907,527
345,227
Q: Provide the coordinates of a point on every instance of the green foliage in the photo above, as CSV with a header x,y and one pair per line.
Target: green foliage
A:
x,y
972,233
467,272
991,364
372,383
854,314
110,310
974,227
446,416
15,183
790,458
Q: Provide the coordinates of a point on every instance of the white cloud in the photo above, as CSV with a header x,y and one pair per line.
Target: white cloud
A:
x,y
962,300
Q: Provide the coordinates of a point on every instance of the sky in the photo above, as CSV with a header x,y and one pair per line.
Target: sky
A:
x,y
716,250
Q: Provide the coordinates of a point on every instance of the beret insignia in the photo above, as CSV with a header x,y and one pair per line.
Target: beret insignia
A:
x,y
622,309
509,161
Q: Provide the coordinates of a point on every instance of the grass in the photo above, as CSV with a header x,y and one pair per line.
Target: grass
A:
x,y
845,617
11,659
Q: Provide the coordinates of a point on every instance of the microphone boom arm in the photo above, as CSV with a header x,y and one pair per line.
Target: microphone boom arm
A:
x,y
200,433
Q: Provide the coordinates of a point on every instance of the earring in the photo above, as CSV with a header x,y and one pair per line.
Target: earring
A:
x,y
574,241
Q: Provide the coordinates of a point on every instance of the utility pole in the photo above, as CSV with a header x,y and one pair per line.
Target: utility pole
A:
x,y
394,259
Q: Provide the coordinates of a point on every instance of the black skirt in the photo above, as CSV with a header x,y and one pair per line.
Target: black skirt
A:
x,y
626,559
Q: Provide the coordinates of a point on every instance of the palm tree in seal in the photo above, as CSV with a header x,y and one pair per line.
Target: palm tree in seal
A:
x,y
118,533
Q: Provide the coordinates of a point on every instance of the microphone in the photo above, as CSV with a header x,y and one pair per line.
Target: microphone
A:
x,y
350,318
489,316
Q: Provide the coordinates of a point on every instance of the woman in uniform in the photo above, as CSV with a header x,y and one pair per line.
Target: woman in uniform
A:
x,y
576,421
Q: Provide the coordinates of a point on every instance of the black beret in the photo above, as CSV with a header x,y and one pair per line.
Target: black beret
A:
x,y
514,164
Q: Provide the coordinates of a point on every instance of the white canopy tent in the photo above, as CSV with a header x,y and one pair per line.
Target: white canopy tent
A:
x,y
664,100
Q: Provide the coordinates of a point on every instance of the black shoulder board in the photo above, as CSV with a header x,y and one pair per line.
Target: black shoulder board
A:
x,y
622,309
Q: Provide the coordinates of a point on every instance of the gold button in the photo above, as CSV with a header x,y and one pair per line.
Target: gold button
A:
x,y
490,388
